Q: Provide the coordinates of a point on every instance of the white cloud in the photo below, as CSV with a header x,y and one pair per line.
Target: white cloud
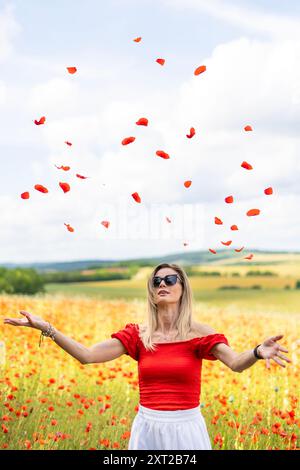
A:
x,y
9,29
277,26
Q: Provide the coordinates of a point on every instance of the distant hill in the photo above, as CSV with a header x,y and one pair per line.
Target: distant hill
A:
x,y
186,259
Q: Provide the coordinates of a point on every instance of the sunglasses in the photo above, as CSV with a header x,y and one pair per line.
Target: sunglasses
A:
x,y
170,280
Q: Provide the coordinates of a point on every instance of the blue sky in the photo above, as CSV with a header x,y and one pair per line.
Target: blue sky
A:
x,y
251,50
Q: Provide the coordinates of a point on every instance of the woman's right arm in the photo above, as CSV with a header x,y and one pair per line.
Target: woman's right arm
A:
x,y
100,352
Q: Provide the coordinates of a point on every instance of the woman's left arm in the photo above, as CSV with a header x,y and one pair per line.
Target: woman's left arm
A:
x,y
268,350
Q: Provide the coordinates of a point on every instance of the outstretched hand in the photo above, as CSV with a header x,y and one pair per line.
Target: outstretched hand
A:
x,y
270,349
29,320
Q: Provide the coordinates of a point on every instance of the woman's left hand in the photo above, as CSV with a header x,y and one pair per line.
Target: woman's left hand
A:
x,y
269,349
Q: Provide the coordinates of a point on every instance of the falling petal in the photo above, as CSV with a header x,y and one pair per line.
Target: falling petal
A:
x,y
218,221
69,227
68,143
82,177
65,187
41,121
268,191
136,197
65,168
229,199
128,140
105,223
160,61
253,212
212,251
249,256
227,243
234,227
185,244
239,249
247,166
199,70
192,133
248,128
168,220
137,39
41,188
25,195
187,183
72,69
142,122
162,154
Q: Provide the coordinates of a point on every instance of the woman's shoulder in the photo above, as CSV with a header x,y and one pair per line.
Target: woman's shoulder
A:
x,y
201,330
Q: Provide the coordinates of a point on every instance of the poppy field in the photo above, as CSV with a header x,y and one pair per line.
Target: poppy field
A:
x,y
49,400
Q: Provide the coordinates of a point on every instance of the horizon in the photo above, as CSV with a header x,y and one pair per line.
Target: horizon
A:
x,y
146,257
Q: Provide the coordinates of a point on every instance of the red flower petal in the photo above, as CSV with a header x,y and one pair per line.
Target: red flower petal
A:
x,y
72,69
212,251
41,121
192,133
162,154
128,140
187,183
227,243
105,223
249,256
65,168
25,195
82,177
234,227
69,227
41,188
247,166
229,199
68,143
239,249
218,221
248,128
137,39
268,191
136,197
199,70
160,61
253,212
65,187
142,122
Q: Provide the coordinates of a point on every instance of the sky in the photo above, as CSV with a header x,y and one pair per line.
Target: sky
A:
x,y
251,51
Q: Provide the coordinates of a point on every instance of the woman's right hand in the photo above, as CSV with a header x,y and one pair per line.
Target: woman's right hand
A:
x,y
30,320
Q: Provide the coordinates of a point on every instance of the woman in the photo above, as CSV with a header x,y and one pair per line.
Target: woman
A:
x,y
169,351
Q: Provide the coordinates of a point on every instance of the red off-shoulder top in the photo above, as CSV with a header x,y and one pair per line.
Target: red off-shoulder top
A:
x,y
170,377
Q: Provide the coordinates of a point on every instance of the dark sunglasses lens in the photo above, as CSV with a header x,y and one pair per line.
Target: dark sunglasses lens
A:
x,y
156,281
171,280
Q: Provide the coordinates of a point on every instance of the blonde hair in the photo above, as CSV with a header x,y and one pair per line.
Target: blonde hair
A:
x,y
184,323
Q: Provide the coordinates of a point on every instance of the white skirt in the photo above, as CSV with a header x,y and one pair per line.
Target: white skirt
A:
x,y
169,430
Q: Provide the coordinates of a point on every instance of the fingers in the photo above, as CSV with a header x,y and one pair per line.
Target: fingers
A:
x,y
275,338
16,321
26,314
278,361
283,357
268,363
282,349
